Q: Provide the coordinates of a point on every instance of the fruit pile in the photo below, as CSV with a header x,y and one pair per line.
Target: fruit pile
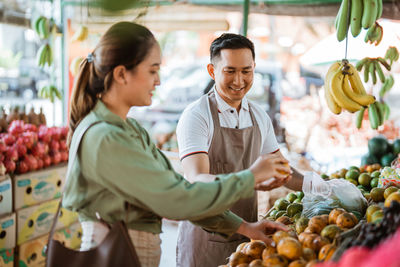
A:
x,y
287,210
381,151
26,147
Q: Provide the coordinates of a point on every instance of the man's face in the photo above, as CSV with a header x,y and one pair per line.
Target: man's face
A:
x,y
233,73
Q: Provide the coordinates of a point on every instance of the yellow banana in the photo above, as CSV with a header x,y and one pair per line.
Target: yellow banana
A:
x,y
81,34
363,100
356,16
332,105
336,89
74,66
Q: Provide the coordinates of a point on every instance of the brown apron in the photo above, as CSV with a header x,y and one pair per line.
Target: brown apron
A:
x,y
231,150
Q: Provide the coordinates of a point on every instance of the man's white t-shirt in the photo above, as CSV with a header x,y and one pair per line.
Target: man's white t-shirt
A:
x,y
196,127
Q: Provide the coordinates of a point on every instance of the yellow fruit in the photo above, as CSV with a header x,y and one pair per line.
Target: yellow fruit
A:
x,y
278,235
346,220
241,246
370,210
301,225
269,250
319,242
390,190
290,248
309,254
275,259
392,197
330,231
334,214
377,216
237,258
377,194
257,263
326,252
255,249
298,263
317,223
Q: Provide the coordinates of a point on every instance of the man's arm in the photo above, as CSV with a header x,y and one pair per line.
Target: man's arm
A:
x,y
197,168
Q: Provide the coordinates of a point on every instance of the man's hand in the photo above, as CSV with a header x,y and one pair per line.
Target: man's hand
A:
x,y
260,230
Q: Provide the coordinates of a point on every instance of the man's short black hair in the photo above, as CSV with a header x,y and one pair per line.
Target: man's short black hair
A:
x,y
230,41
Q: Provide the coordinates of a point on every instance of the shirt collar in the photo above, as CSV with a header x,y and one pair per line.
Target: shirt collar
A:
x,y
223,106
104,113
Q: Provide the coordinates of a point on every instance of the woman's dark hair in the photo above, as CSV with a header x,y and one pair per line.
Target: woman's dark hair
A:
x,y
124,43
230,41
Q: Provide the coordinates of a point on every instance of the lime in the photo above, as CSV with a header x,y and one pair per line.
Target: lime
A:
x,y
324,176
362,188
374,182
370,210
364,179
352,174
294,208
342,172
300,194
279,214
296,216
297,200
273,213
375,174
377,194
352,181
367,195
389,190
377,216
354,168
281,204
291,197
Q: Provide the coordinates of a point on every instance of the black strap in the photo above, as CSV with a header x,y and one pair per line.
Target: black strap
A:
x,y
73,154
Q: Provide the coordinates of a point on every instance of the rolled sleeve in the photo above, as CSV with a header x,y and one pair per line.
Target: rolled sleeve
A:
x,y
225,224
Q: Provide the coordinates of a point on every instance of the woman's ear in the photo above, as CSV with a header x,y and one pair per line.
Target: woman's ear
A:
x,y
119,74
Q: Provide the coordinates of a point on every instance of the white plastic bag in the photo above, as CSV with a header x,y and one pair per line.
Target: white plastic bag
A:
x,y
321,196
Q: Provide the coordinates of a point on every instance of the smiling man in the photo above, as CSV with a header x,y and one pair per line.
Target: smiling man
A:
x,y
223,132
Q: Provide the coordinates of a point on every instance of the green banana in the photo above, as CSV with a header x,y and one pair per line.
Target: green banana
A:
x,y
372,72
369,13
380,9
49,55
359,117
381,112
379,71
374,34
360,63
40,56
36,24
44,28
384,63
373,116
356,16
366,70
386,110
392,54
387,85
343,24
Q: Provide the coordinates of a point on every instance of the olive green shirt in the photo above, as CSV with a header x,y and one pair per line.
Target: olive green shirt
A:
x,y
117,163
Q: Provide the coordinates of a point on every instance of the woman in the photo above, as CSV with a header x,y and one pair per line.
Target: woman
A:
x,y
117,163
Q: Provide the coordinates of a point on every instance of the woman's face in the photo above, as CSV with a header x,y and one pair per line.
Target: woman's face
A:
x,y
143,79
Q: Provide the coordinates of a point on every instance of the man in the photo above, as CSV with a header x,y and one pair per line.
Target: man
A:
x,y
220,133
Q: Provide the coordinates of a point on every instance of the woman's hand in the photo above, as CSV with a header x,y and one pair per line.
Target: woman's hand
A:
x,y
271,165
272,183
260,230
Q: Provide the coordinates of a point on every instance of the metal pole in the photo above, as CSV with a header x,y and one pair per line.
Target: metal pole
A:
x,y
64,65
246,4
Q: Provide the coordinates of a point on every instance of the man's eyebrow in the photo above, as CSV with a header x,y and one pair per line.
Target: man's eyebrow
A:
x,y
156,65
233,68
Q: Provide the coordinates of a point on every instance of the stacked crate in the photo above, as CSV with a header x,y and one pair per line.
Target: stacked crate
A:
x,y
28,205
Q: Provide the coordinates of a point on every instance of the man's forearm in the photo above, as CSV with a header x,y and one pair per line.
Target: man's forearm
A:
x,y
296,183
201,178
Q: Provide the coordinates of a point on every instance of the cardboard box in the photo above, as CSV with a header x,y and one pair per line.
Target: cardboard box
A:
x,y
5,196
7,257
71,236
36,187
31,254
37,220
7,231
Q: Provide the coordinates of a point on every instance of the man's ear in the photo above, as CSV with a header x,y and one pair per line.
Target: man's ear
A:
x,y
119,74
210,69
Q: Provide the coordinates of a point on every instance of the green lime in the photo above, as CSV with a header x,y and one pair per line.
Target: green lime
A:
x,y
342,172
279,214
297,200
291,197
377,194
364,179
362,188
352,174
324,176
300,194
367,195
390,190
281,204
352,181
294,208
375,174
354,168
273,213
296,216
374,182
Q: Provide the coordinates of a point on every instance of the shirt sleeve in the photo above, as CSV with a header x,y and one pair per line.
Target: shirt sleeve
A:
x,y
192,133
270,144
138,172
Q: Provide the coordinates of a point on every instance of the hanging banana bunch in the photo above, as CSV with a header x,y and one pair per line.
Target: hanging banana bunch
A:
x,y
81,34
74,65
357,14
392,54
386,86
44,55
374,34
51,92
42,27
372,68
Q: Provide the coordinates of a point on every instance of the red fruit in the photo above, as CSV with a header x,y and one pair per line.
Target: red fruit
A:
x,y
16,127
9,139
64,155
22,167
3,146
44,135
55,157
63,145
55,133
31,161
21,149
30,128
2,157
46,160
64,132
40,164
12,153
54,145
10,166
38,150
30,139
